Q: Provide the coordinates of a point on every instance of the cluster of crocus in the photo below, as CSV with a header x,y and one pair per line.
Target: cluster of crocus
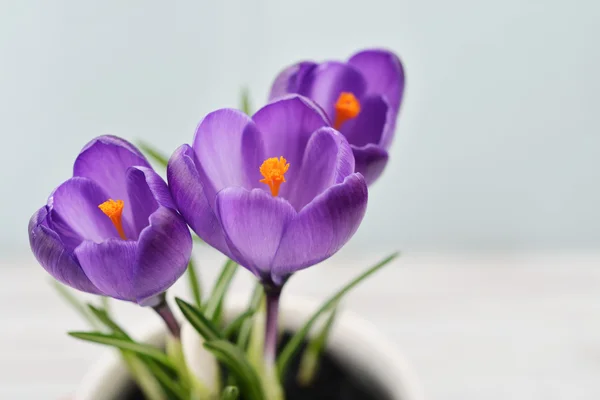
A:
x,y
276,192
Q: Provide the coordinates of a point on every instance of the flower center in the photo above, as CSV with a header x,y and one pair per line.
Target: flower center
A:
x,y
114,210
273,170
346,107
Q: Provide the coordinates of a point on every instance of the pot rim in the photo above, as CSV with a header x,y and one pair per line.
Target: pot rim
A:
x,y
352,338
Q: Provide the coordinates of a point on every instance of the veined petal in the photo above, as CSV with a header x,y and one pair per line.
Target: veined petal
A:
x,y
253,222
109,266
164,250
322,227
329,80
147,191
383,72
286,126
327,161
294,79
370,161
369,125
105,161
75,214
191,199
50,252
227,144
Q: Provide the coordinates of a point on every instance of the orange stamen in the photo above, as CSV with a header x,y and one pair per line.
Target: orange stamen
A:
x,y
273,170
346,107
114,210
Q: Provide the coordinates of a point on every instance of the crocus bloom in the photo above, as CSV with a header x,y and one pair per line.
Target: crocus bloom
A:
x,y
361,97
276,192
112,229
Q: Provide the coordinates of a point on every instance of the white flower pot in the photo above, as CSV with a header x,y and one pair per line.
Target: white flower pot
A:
x,y
355,342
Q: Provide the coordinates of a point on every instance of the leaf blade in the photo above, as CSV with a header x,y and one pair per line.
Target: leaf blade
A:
x,y
124,344
293,345
245,375
198,321
215,301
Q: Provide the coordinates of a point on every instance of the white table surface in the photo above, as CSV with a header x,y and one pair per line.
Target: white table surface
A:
x,y
474,327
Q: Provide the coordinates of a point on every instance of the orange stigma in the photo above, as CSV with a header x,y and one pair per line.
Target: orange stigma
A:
x,y
346,107
273,170
113,210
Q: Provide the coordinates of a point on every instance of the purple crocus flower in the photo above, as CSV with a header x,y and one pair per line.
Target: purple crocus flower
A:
x,y
361,97
132,248
276,192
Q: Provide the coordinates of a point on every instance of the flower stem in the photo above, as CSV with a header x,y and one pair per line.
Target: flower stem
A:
x,y
271,324
166,314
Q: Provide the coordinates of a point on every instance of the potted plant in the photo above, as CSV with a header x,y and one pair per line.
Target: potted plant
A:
x,y
276,192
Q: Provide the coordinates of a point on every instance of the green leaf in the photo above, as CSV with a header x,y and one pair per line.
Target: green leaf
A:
x,y
105,301
144,377
103,317
237,364
168,383
125,344
245,105
309,363
153,153
215,301
77,305
201,323
194,283
293,346
246,328
230,393
234,326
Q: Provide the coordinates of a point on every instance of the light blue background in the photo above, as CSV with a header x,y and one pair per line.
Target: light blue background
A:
x,y
498,142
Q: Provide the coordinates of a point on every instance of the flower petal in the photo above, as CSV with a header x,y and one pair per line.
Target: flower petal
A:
x,y
253,222
164,250
370,161
110,266
75,214
230,132
329,80
105,161
322,227
146,190
384,74
191,199
327,161
292,80
286,126
369,125
51,253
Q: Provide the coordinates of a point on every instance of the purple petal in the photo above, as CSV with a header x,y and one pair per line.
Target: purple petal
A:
x,y
228,150
370,161
49,250
109,266
327,161
285,126
329,80
147,191
105,161
383,72
75,214
164,249
191,200
369,125
254,222
322,227
292,80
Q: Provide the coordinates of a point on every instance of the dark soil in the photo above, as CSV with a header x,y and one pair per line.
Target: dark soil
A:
x,y
333,382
